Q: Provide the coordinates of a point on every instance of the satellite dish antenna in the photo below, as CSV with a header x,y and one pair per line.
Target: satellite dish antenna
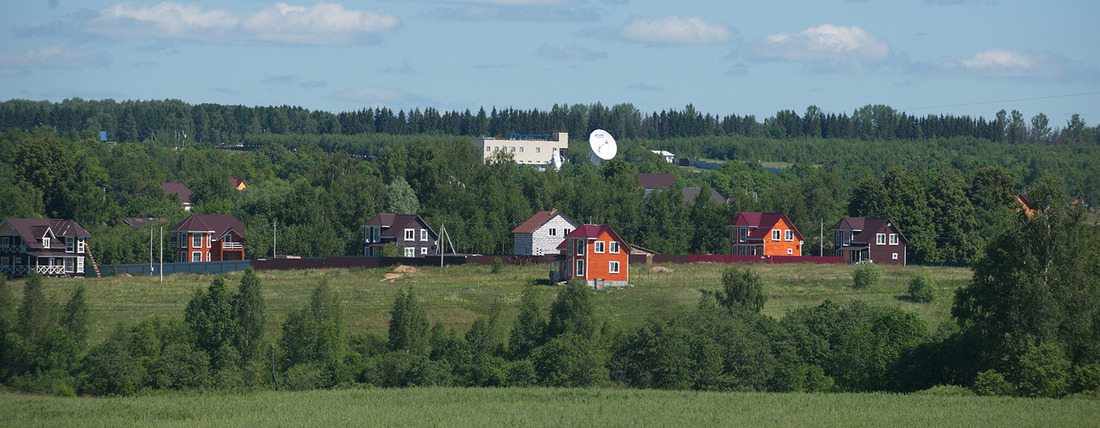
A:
x,y
603,145
557,160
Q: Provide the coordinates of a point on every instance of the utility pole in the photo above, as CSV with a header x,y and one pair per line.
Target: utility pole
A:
x,y
161,253
274,237
821,238
150,251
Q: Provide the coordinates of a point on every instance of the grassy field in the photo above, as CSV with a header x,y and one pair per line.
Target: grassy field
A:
x,y
456,295
542,407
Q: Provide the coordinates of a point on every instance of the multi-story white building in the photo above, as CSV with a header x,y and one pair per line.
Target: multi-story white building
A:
x,y
526,149
541,234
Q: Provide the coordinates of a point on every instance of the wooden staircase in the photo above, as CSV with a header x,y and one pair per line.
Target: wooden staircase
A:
x,y
95,267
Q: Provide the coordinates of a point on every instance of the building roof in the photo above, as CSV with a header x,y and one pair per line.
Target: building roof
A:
x,y
186,195
395,224
237,182
139,223
593,231
219,224
762,223
540,218
691,193
32,229
656,181
865,228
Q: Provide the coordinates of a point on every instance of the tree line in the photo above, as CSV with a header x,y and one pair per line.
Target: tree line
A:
x,y
1025,326
173,122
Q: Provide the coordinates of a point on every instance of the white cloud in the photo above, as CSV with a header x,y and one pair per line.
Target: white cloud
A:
x,y
1012,64
50,56
675,30
319,24
579,53
825,48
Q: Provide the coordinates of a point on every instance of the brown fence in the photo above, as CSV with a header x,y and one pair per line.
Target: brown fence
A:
x,y
731,258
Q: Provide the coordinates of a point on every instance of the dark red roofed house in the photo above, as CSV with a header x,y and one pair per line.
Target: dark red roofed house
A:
x,y
208,238
238,183
869,240
653,182
764,234
407,230
542,233
596,253
185,195
48,246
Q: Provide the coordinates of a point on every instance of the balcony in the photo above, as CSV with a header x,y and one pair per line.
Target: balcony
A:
x,y
232,245
13,248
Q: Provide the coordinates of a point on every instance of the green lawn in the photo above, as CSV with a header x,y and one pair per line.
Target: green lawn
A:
x,y
541,407
455,295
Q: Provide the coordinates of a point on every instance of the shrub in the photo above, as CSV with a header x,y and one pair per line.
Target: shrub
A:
x,y
990,383
1086,378
865,276
922,287
1043,371
950,390
741,289
497,266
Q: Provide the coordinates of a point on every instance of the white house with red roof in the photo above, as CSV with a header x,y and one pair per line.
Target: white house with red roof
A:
x,y
408,231
595,253
542,233
208,238
50,247
765,234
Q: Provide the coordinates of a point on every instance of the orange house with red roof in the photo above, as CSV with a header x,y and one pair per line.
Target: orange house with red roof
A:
x,y
208,238
596,253
765,234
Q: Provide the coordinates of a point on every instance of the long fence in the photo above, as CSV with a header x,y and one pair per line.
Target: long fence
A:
x,y
171,268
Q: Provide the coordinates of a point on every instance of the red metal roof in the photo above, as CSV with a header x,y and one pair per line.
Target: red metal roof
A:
x,y
540,218
593,231
184,193
219,224
762,223
656,181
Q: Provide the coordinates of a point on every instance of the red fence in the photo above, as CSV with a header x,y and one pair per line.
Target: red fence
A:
x,y
730,258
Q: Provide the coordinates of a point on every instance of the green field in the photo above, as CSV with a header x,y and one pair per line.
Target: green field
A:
x,y
542,407
456,295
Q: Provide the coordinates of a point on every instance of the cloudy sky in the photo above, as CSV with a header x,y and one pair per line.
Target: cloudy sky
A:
x,y
961,57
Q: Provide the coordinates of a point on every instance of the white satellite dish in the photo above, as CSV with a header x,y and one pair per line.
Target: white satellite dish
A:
x,y
603,144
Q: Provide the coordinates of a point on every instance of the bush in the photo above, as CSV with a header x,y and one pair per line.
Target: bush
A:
x,y
865,276
1086,378
990,383
497,266
1043,371
949,390
922,287
741,289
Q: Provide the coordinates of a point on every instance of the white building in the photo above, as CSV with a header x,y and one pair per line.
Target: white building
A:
x,y
526,149
541,234
667,155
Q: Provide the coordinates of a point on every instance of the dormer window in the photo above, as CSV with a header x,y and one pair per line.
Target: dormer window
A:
x,y
46,242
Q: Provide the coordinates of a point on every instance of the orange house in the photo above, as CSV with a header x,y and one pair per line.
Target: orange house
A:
x,y
765,234
595,253
208,238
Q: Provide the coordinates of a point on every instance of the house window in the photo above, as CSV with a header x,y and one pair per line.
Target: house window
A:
x,y
410,252
423,234
80,245
207,256
46,242
744,234
894,256
580,268
196,241
775,235
789,235
790,251
893,239
196,256
599,247
880,239
521,149
566,231
538,149
613,247
70,265
487,148
5,261
580,247
553,232
423,250
70,245
5,240
410,234
613,267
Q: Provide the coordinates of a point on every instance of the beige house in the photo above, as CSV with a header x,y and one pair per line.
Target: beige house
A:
x,y
526,149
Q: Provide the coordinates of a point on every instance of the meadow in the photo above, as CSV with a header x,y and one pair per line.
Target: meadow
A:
x,y
541,407
455,295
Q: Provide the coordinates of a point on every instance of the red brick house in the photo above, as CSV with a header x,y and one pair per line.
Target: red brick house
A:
x,y
765,234
208,238
50,247
408,231
870,240
596,253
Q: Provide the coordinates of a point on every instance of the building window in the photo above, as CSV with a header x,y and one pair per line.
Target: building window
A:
x,y
613,247
580,247
538,149
790,251
613,267
487,148
410,252
580,268
775,235
80,245
598,247
5,261
70,245
521,149
46,242
423,250
410,234
5,240
553,232
880,239
894,256
423,234
207,256
196,241
70,265
566,231
744,235
196,256
893,239
789,235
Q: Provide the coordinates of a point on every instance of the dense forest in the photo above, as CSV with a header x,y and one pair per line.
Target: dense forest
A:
x,y
948,194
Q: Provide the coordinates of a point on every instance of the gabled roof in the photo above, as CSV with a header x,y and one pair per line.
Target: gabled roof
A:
x,y
865,228
1027,202
593,231
762,224
1079,200
656,181
185,194
33,229
237,182
692,193
540,218
219,224
395,224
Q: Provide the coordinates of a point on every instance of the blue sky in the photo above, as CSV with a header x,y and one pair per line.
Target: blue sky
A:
x,y
956,57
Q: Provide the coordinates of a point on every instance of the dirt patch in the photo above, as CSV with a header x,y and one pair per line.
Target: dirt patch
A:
x,y
406,269
393,277
658,269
